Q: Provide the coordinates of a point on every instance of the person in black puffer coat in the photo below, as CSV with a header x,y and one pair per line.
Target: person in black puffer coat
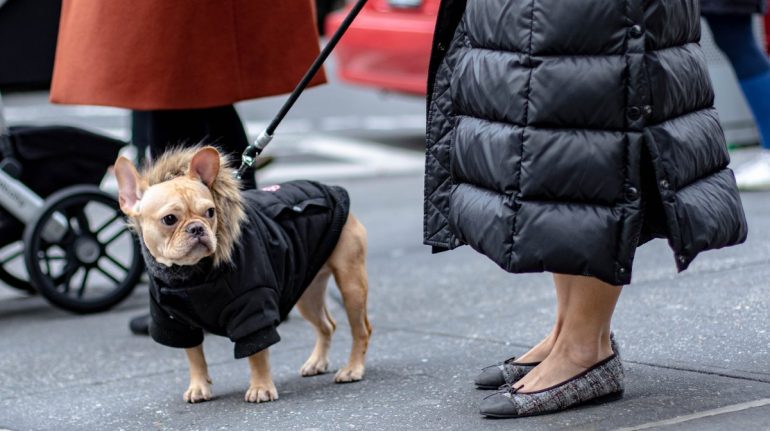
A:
x,y
560,137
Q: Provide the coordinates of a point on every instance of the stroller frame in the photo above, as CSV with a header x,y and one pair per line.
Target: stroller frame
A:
x,y
48,223
17,198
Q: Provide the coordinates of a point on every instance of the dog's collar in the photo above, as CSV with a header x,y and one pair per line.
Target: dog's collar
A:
x,y
176,275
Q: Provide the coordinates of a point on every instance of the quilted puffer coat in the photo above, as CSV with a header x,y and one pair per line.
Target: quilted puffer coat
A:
x,y
563,134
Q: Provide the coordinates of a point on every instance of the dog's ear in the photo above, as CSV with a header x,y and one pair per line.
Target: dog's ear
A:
x,y
205,165
130,186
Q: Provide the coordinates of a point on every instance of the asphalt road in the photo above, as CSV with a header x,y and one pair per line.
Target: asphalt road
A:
x,y
696,345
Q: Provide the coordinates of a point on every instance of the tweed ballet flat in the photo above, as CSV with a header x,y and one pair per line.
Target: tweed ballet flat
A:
x,y
601,383
509,371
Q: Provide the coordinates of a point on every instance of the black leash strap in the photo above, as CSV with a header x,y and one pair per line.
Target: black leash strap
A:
x,y
252,151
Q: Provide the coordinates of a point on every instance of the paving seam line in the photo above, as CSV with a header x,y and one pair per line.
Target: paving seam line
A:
x,y
704,414
83,384
748,264
523,346
702,371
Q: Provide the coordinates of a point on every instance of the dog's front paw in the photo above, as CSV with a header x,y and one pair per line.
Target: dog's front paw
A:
x,y
199,390
261,393
351,373
314,366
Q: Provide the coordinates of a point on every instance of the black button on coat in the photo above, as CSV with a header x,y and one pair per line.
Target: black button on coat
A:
x,y
563,134
287,237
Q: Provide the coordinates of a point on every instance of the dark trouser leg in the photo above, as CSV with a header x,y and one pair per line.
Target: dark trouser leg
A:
x,y
139,136
219,126
734,36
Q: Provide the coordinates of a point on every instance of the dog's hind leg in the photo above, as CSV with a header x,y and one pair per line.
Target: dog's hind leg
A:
x,y
348,264
312,306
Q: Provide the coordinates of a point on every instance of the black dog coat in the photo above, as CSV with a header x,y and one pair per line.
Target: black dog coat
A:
x,y
290,231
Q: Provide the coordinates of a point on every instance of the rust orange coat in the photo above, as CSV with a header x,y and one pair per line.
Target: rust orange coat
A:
x,y
171,54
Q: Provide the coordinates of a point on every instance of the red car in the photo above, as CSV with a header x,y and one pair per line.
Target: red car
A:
x,y
388,45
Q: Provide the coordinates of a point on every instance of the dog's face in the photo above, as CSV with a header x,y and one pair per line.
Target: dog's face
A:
x,y
177,218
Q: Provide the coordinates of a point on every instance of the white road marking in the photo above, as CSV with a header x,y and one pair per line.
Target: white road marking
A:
x,y
342,123
704,414
37,113
357,159
349,158
352,159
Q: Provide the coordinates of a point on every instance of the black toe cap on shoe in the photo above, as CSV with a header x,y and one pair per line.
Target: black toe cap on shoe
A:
x,y
498,406
490,378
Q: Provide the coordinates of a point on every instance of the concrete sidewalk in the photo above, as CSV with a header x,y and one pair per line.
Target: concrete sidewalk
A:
x,y
696,346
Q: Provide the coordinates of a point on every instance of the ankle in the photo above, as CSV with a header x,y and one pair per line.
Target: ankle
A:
x,y
539,352
584,355
545,346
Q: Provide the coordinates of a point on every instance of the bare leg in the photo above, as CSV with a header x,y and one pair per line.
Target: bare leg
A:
x,y
542,349
584,338
348,264
200,383
312,306
261,387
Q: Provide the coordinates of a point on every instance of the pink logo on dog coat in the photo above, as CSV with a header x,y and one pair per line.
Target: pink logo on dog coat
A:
x,y
274,188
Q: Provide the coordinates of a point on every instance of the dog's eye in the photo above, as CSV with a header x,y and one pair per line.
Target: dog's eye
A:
x,y
210,212
169,220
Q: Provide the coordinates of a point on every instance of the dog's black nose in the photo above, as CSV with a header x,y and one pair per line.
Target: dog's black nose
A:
x,y
196,230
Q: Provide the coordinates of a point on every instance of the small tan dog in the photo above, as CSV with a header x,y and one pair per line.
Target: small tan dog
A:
x,y
234,263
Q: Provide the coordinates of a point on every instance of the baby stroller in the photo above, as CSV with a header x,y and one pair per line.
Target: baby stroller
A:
x,y
60,234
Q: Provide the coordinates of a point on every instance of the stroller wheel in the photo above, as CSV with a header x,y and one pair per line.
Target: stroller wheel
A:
x,y
12,270
94,262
